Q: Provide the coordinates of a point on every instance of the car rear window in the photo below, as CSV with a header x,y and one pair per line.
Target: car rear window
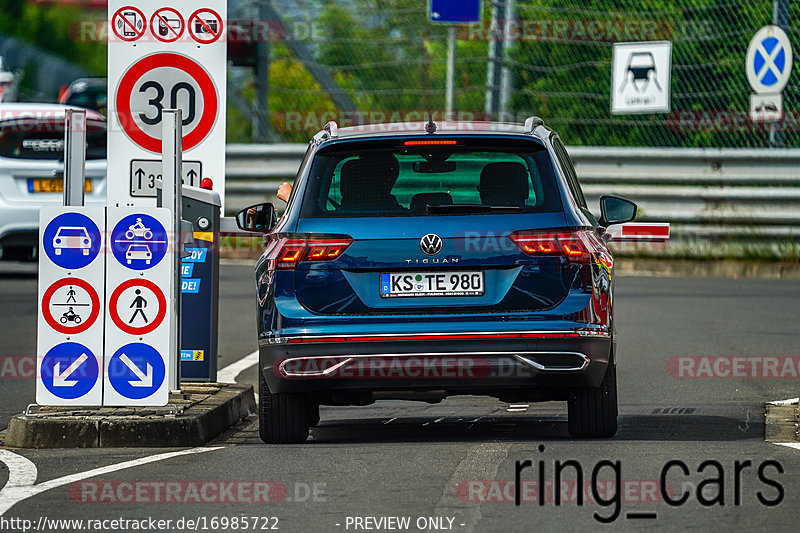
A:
x,y
389,178
44,139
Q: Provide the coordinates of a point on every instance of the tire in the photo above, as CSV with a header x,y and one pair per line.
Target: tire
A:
x,y
593,411
282,418
313,414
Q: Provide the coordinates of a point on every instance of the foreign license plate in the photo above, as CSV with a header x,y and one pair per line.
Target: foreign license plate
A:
x,y
400,284
53,185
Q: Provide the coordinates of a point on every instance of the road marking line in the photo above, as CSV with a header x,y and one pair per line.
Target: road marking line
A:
x,y
21,470
22,474
788,401
794,445
480,462
229,373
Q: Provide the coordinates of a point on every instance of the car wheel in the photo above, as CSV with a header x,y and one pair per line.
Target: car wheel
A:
x,y
313,414
593,410
282,418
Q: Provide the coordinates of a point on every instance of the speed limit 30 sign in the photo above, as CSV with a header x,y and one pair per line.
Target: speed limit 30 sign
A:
x,y
166,80
179,64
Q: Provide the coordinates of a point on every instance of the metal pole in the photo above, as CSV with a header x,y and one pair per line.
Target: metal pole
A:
x,y
74,156
261,74
451,71
495,65
506,81
171,178
780,17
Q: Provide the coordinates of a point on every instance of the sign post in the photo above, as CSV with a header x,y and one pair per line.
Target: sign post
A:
x,y
74,157
453,12
164,57
172,200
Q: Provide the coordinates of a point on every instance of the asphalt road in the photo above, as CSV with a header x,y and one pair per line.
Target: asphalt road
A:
x,y
450,466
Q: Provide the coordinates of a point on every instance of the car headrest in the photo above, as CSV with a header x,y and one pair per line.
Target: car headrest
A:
x,y
420,201
504,184
369,176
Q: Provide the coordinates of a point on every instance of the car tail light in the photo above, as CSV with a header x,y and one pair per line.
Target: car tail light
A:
x,y
291,251
576,246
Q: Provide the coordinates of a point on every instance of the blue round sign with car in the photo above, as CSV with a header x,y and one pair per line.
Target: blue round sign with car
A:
x,y
71,240
139,241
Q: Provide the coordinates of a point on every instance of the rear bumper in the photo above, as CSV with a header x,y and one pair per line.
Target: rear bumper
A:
x,y
19,222
531,368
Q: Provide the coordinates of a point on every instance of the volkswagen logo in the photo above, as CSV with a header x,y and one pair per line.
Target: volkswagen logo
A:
x,y
431,244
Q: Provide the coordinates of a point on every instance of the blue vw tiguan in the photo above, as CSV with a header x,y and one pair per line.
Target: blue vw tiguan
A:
x,y
417,261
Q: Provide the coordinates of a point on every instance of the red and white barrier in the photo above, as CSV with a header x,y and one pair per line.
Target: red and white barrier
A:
x,y
639,232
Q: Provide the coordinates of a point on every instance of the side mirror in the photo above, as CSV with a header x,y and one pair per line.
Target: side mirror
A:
x,y
616,210
259,218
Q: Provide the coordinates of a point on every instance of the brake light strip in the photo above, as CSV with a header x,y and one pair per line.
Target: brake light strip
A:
x,y
466,336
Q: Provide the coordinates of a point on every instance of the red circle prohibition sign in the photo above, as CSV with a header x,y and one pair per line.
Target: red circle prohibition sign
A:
x,y
172,34
86,324
127,328
127,24
181,62
194,18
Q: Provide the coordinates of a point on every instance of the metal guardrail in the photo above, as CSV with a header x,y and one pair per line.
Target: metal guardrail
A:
x,y
703,193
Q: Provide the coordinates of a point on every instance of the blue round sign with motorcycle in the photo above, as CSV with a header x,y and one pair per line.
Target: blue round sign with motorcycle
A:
x,y
139,241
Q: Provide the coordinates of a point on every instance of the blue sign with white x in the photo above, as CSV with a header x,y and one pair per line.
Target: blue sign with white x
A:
x,y
769,60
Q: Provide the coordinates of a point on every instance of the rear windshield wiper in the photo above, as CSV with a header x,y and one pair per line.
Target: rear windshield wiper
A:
x,y
470,209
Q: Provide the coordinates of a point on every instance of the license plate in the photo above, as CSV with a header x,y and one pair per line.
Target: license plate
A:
x,y
52,185
399,284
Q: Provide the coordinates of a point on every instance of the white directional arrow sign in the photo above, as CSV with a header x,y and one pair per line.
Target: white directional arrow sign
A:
x,y
145,379
60,378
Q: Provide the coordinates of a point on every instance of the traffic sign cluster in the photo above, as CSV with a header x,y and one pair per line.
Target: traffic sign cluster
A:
x,y
167,25
127,344
164,58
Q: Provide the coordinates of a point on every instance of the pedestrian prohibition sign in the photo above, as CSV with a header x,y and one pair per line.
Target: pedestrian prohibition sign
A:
x,y
769,60
137,306
156,82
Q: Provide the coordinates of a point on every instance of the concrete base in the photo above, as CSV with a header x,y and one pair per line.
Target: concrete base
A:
x,y
782,422
210,409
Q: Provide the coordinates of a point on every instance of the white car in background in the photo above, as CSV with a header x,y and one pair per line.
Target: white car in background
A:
x,y
32,169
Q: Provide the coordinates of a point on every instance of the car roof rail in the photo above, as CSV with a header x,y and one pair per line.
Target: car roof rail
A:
x,y
332,128
531,123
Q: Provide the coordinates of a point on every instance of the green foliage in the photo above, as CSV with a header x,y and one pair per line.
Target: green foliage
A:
x,y
56,29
